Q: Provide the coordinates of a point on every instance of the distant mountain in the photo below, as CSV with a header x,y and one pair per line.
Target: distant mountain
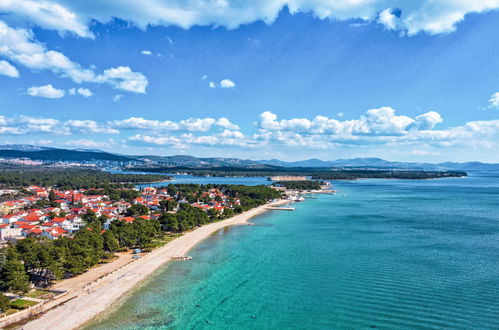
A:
x,y
89,155
23,147
88,150
52,154
381,163
184,160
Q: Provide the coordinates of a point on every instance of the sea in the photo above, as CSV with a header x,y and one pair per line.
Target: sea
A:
x,y
379,254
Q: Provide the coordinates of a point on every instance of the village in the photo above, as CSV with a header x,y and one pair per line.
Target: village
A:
x,y
51,213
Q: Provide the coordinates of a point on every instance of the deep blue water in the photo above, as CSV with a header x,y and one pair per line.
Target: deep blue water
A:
x,y
186,178
388,254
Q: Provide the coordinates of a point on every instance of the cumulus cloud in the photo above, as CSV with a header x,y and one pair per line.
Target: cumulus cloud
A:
x,y
90,126
46,91
379,127
39,125
225,138
431,16
428,120
80,91
125,79
381,121
8,69
20,46
191,124
227,83
47,14
494,100
146,52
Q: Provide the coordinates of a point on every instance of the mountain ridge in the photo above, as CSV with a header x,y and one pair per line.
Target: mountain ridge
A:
x,y
89,155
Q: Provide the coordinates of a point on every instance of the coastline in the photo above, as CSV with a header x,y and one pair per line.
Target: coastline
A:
x,y
94,298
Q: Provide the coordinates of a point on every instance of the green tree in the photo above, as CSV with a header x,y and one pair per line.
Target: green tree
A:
x,y
4,303
90,216
52,196
110,241
137,210
13,275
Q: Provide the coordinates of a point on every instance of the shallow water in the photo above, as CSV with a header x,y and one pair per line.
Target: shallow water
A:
x,y
387,254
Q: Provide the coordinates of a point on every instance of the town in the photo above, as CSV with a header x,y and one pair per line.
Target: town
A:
x,y
52,213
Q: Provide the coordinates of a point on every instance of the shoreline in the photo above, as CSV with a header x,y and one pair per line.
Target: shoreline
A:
x,y
99,296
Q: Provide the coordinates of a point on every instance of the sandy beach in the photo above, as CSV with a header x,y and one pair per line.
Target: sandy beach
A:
x,y
86,300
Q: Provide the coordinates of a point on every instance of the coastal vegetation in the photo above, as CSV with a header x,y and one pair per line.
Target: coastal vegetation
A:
x,y
74,179
319,173
40,260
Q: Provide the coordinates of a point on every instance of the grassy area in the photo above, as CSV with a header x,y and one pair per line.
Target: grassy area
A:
x,y
22,304
39,294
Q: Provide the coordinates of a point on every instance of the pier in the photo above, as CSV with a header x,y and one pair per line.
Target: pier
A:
x,y
181,258
280,208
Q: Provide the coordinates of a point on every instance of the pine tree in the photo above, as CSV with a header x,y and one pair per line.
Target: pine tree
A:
x,y
13,275
4,303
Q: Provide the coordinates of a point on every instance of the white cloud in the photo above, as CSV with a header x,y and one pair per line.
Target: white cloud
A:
x,y
494,100
47,14
84,92
46,91
20,46
125,79
146,52
227,83
80,91
381,121
191,124
431,16
225,122
428,120
39,125
117,97
8,69
90,126
389,20
204,77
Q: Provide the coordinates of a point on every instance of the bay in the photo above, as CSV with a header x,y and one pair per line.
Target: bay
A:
x,y
388,254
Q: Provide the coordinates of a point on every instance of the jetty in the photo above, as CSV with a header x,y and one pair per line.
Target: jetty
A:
x,y
280,208
181,258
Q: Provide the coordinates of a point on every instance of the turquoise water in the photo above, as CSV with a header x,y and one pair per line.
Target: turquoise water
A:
x,y
386,254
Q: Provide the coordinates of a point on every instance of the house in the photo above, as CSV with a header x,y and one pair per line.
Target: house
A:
x,y
7,232
54,233
128,219
123,206
9,218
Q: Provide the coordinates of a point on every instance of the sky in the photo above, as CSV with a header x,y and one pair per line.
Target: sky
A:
x,y
260,79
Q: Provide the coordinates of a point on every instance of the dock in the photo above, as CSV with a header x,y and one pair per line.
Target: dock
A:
x,y
280,208
181,258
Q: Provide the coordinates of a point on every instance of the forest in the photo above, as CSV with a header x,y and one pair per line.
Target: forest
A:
x,y
73,179
315,173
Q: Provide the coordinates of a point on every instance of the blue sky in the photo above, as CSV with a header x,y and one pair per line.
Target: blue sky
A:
x,y
261,79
